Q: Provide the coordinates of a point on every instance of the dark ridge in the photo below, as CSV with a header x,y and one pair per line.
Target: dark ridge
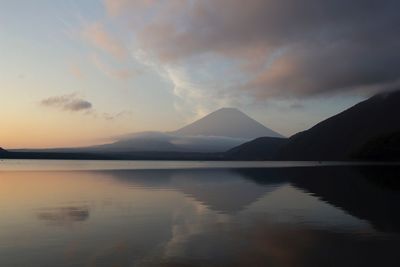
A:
x,y
382,147
263,148
341,136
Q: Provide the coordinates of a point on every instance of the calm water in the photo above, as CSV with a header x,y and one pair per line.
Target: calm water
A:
x,y
194,214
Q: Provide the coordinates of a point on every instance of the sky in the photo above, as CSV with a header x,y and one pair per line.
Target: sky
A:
x,y
76,73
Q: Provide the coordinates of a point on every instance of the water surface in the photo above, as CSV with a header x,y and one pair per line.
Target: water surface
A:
x,y
225,216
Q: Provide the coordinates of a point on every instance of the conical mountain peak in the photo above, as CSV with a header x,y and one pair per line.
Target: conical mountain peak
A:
x,y
228,122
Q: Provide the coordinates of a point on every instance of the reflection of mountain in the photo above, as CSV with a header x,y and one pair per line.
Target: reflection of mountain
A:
x,y
224,191
356,192
366,193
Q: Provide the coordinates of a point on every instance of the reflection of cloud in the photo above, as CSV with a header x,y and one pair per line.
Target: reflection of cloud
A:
x,y
64,215
189,221
67,102
257,241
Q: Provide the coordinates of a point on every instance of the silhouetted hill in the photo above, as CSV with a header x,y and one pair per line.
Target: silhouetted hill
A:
x,y
228,122
263,148
343,135
382,147
2,152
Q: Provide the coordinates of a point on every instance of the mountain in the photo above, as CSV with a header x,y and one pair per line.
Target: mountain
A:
x,y
228,122
368,130
382,147
263,148
158,141
345,134
217,132
145,141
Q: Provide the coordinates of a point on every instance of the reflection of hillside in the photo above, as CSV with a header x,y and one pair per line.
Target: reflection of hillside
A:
x,y
367,193
356,193
224,191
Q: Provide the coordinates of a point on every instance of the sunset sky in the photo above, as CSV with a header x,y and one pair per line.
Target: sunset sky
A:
x,y
78,72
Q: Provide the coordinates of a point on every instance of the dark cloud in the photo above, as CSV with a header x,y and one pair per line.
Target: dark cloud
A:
x,y
67,102
286,47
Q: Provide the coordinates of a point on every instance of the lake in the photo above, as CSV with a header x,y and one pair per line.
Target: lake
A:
x,y
146,213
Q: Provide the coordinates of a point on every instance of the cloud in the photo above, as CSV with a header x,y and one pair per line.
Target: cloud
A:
x,y
67,102
119,73
100,39
285,47
76,71
115,116
98,36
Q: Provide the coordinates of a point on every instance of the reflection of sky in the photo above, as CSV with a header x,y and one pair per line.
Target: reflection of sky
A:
x,y
145,218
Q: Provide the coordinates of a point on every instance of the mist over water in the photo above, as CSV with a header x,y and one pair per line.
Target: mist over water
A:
x,y
299,216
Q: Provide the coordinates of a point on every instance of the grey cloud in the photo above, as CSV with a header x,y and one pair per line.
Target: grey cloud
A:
x,y
115,116
287,47
297,106
67,102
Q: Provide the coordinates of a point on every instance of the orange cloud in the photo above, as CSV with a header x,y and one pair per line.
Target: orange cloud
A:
x,y
112,72
98,36
76,71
